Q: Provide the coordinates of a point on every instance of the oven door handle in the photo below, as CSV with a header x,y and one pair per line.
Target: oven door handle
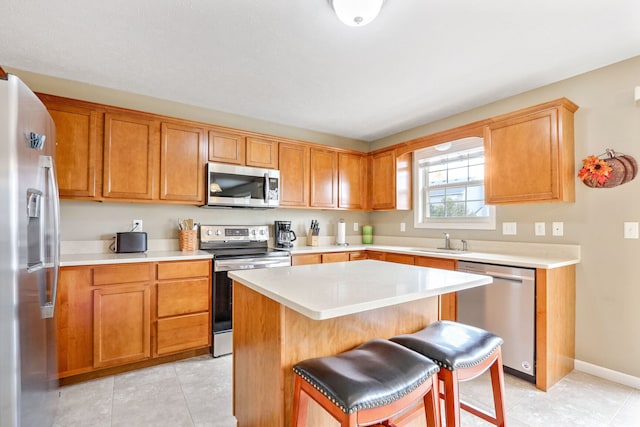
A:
x,y
250,264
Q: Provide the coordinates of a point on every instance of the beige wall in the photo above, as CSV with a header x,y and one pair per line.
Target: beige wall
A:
x,y
608,281
608,291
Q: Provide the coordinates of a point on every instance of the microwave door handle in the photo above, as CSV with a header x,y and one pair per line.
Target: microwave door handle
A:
x,y
266,187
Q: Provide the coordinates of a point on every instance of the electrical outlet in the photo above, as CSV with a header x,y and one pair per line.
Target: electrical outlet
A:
x,y
557,228
403,227
631,230
540,229
509,228
355,226
136,225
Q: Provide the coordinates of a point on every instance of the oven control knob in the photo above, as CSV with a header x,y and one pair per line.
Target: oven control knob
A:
x,y
253,231
218,233
262,232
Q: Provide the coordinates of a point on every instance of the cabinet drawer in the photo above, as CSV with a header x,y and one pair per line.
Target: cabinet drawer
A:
x,y
121,273
183,333
443,263
183,269
400,258
188,296
306,259
335,257
355,256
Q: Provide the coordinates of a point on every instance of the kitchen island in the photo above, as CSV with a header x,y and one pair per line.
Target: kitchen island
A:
x,y
288,314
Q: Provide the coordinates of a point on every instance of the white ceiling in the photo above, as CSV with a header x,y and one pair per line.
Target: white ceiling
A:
x,y
292,62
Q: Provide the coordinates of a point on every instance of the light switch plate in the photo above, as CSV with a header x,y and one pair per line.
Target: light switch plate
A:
x,y
355,226
557,228
631,230
509,228
403,227
540,229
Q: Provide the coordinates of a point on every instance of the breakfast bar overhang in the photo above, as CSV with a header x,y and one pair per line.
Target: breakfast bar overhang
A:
x,y
287,314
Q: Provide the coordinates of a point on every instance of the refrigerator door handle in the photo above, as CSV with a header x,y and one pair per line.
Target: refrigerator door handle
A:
x,y
47,309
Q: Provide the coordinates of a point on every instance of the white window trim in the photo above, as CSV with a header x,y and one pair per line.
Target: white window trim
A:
x,y
485,223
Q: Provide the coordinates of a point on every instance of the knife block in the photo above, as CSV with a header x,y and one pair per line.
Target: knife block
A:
x,y
311,239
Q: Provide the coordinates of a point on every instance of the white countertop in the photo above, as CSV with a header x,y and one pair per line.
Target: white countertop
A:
x,y
324,291
535,258
70,260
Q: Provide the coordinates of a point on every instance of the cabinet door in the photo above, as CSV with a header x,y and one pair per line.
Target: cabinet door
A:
x,y
352,181
324,178
358,255
335,257
73,320
121,324
378,256
529,157
294,174
76,149
226,147
400,258
182,163
447,303
383,180
130,147
262,153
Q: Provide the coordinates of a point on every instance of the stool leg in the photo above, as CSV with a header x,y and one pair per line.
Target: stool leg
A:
x,y
432,401
497,386
451,397
300,404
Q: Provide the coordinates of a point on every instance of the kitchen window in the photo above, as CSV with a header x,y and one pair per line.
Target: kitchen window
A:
x,y
450,186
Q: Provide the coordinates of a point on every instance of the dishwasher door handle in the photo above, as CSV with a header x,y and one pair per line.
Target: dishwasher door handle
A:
x,y
507,276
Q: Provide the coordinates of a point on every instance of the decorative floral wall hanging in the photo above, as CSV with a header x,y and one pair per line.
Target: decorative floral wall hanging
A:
x,y
608,170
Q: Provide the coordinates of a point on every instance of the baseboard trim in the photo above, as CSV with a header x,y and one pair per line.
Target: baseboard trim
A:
x,y
607,374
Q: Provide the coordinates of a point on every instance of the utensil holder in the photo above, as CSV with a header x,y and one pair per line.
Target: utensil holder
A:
x,y
312,240
188,240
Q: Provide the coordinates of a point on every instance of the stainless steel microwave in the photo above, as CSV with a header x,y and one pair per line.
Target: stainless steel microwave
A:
x,y
242,186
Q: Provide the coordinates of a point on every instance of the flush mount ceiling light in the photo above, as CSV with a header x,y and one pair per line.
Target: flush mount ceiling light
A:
x,y
357,13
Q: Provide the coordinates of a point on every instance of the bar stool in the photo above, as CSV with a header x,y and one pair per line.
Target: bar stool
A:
x,y
465,352
368,385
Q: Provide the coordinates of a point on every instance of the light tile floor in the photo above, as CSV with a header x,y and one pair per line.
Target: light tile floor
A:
x,y
197,392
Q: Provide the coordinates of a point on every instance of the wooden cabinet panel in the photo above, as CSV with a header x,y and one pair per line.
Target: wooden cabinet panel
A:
x,y
183,269
378,256
130,147
183,332
262,153
400,258
182,163
77,157
335,257
121,325
73,319
226,147
352,189
121,273
359,255
294,174
306,259
447,303
324,178
391,181
187,296
529,155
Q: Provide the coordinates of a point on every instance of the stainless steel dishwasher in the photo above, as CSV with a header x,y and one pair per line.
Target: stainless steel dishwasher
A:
x,y
507,307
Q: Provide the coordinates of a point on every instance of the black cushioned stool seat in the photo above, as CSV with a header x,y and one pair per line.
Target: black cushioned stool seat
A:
x,y
465,352
370,384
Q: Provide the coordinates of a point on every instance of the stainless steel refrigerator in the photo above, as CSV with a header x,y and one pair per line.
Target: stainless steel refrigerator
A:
x,y
29,258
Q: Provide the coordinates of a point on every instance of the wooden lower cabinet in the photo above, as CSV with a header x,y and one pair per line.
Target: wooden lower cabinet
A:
x,y
447,303
335,257
114,315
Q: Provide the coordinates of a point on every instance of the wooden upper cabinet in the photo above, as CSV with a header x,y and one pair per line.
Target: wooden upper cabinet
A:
x,y
390,181
226,147
352,181
324,178
529,155
77,148
182,163
294,174
130,147
262,153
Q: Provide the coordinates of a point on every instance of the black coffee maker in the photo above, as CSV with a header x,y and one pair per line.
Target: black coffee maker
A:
x,y
284,235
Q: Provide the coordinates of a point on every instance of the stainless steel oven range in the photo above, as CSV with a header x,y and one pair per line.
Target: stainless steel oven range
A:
x,y
234,247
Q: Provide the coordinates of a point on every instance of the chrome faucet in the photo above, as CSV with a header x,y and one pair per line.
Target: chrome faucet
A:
x,y
447,241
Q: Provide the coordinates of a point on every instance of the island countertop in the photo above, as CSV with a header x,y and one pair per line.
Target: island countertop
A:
x,y
325,291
